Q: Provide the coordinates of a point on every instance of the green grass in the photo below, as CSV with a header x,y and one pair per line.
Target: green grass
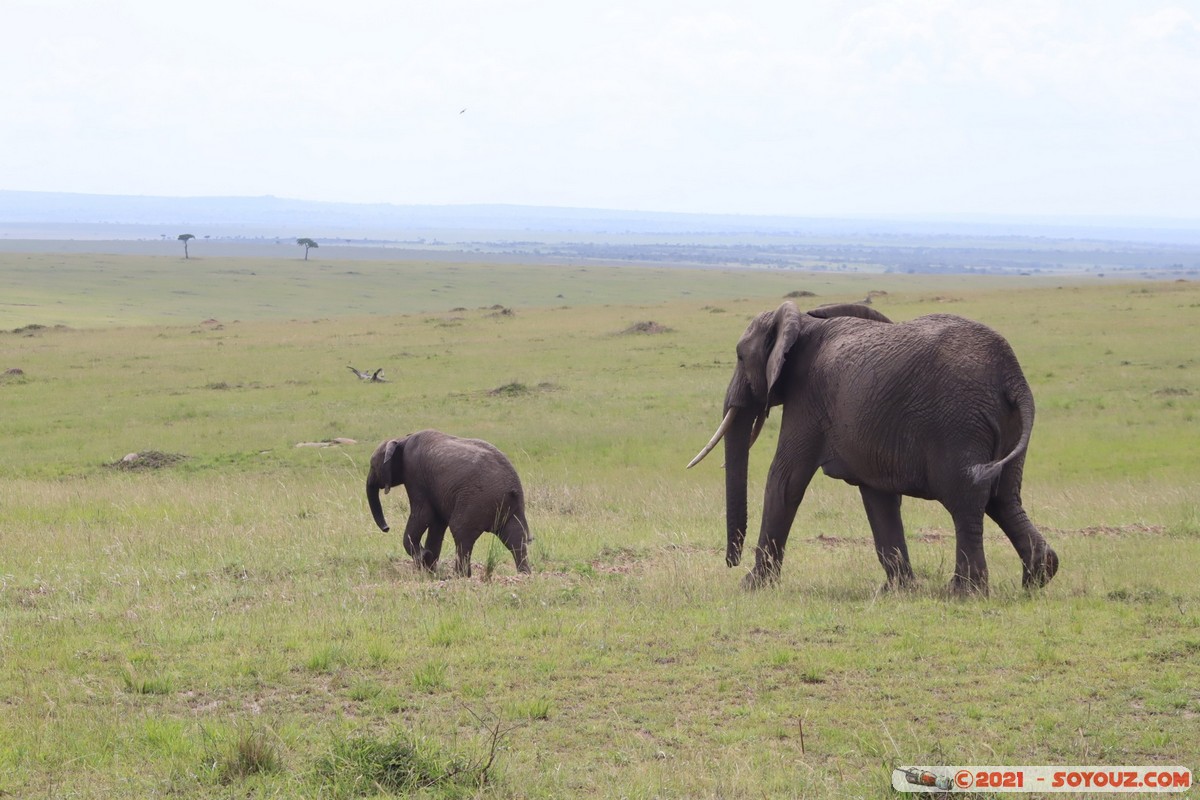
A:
x,y
233,624
364,765
242,754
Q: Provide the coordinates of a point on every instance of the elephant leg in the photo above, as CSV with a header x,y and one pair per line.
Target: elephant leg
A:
x,y
787,481
970,567
433,545
414,529
464,544
1038,559
883,512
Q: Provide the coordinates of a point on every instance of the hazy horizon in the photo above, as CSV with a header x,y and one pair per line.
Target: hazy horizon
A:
x,y
868,109
46,200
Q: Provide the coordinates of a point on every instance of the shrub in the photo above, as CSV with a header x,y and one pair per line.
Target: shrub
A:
x,y
251,752
366,765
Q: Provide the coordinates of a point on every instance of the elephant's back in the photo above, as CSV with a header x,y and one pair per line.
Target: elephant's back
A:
x,y
896,398
476,457
951,328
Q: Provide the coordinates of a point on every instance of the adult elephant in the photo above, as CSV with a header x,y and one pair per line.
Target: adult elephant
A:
x,y
465,484
935,408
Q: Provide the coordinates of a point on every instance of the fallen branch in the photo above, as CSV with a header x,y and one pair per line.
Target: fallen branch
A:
x,y
370,377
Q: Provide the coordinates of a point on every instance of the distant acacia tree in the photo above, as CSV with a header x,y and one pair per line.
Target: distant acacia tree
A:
x,y
185,238
307,244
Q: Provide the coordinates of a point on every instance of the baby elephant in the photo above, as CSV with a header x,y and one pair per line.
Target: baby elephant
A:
x,y
466,484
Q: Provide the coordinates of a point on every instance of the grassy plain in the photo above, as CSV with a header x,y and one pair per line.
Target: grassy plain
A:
x,y
233,625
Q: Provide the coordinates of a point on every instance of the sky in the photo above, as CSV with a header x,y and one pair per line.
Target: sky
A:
x,y
789,107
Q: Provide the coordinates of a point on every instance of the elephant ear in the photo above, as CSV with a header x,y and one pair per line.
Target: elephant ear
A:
x,y
387,468
787,329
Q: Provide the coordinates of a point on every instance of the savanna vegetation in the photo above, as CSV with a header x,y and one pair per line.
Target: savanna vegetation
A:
x,y
219,617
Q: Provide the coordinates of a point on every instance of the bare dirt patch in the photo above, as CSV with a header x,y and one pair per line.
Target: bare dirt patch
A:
x,y
1109,530
832,541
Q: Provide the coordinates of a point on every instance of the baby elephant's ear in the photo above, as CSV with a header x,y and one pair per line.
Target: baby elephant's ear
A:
x,y
392,464
389,450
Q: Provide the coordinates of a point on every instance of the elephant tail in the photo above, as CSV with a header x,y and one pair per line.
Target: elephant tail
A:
x,y
1017,394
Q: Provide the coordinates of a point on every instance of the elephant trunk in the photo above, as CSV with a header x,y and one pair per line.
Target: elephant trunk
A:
x,y
373,502
516,536
737,460
520,553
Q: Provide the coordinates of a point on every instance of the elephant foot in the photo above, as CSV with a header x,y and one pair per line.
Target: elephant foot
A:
x,y
899,583
425,561
1047,570
962,587
759,580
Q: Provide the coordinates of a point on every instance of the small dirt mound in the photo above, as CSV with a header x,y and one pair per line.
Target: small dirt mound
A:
x,y
502,312
648,327
518,389
14,371
514,389
150,459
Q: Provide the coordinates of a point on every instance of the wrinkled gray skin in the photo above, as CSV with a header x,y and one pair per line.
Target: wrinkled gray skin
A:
x,y
935,408
464,484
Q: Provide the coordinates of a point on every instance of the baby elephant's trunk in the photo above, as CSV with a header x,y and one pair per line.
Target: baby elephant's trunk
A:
x,y
520,553
373,502
514,532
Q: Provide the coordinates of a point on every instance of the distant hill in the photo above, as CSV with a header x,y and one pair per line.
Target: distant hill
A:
x,y
259,226
281,216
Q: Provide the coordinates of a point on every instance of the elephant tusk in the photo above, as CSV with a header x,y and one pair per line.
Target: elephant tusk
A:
x,y
758,426
725,423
